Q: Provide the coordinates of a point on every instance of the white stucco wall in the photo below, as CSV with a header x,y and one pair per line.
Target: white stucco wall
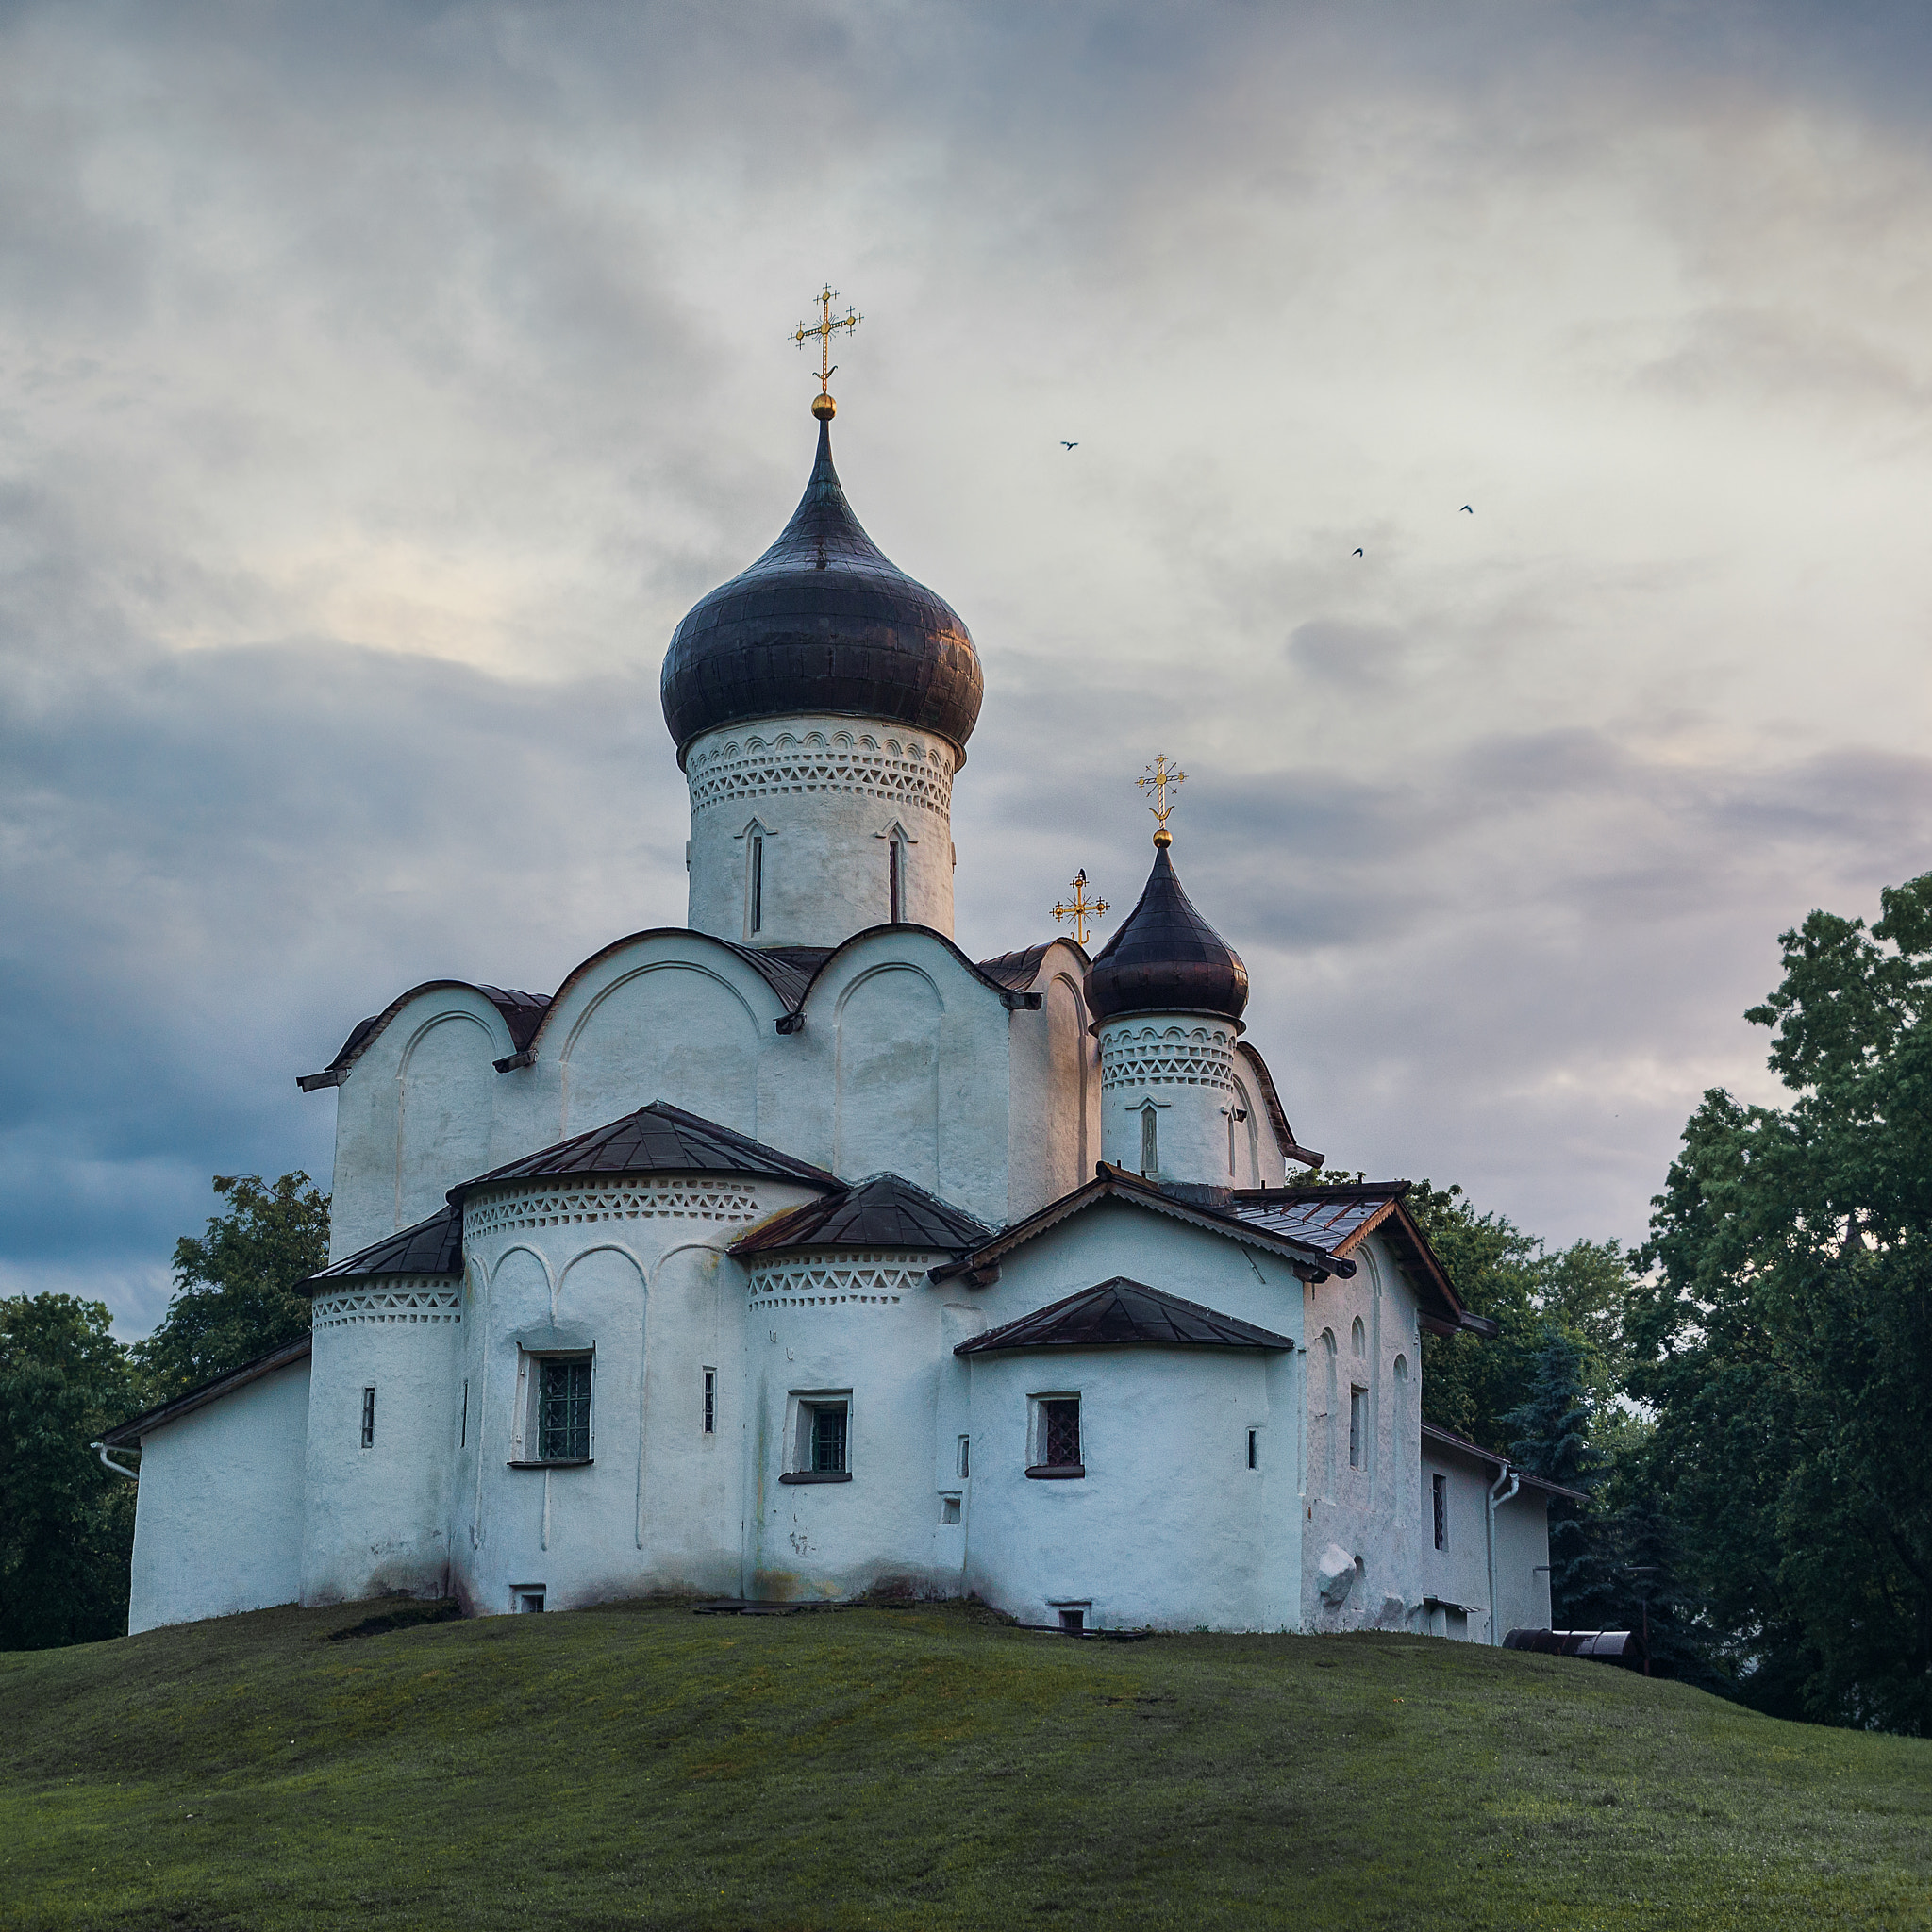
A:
x,y
1363,1333
375,1516
827,795
1523,1557
218,1516
1457,1575
1181,1066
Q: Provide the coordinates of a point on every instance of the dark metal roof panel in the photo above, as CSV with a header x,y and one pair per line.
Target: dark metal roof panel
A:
x,y
431,1247
1016,972
657,1139
886,1211
1122,1314
1166,959
822,622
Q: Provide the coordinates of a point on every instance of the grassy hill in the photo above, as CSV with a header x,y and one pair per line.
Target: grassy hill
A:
x,y
929,1767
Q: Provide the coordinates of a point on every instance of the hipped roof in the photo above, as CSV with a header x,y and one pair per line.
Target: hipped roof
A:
x,y
886,1211
1123,1313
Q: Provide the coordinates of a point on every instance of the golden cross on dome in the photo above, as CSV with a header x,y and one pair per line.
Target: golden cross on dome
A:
x,y
1162,778
822,405
1080,908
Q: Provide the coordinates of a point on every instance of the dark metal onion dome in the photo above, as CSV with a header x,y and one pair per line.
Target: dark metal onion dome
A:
x,y
1166,959
821,622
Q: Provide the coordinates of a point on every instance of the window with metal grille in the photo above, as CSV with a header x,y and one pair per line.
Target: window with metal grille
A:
x,y
563,1412
367,1418
1061,1431
710,1402
1439,1500
828,1438
1357,1428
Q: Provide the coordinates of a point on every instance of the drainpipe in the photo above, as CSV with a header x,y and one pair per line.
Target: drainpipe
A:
x,y
100,1449
1497,1502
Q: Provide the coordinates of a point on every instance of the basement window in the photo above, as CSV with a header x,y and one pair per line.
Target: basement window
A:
x,y
525,1599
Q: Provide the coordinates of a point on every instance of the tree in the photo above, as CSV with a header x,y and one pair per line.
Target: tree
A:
x,y
235,1286
1551,1431
66,1523
1784,1341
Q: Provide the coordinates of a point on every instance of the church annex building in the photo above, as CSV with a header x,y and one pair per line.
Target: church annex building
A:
x,y
790,1254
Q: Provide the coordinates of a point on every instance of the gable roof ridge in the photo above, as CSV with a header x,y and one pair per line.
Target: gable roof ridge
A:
x,y
1056,1326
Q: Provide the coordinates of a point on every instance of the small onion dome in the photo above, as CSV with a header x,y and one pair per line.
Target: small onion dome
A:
x,y
1166,959
821,622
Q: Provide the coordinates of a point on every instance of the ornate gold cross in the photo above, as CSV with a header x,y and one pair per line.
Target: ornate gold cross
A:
x,y
1080,908
822,329
1162,778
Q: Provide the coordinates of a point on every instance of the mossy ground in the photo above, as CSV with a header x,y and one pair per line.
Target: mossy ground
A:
x,y
929,1767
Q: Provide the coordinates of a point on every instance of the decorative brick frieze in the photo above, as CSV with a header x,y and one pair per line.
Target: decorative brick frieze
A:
x,y
906,772
679,1197
1166,1056
805,1282
390,1301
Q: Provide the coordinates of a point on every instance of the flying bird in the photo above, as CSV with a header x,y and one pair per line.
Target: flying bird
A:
x,y
1064,444
1467,510
1358,553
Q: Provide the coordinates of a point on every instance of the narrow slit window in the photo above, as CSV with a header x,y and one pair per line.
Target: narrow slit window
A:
x,y
757,917
367,1418
1254,1449
1439,1504
563,1415
895,878
710,1402
1230,1139
965,1458
1150,1143
463,1426
1357,1428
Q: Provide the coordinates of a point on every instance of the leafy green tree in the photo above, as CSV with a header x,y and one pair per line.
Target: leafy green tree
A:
x,y
235,1286
66,1523
1784,1341
1551,1439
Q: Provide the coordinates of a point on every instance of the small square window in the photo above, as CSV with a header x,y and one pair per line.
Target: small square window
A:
x,y
1357,1428
525,1599
821,1444
1074,1623
949,1509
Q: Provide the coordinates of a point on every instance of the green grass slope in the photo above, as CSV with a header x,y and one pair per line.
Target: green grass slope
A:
x,y
930,1768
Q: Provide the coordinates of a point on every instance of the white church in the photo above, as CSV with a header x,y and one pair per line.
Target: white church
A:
x,y
790,1255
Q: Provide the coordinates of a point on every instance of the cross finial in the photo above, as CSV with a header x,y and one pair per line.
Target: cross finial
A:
x,y
822,406
1160,779
1080,908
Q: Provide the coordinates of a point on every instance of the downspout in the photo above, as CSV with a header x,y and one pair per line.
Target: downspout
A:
x,y
1497,1502
100,1449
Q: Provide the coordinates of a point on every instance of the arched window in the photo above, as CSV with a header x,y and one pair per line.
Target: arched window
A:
x,y
1357,1342
1328,1397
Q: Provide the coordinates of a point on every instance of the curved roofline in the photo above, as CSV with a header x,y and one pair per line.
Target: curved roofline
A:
x,y
1167,1013
1278,1114
1011,998
364,1034
803,711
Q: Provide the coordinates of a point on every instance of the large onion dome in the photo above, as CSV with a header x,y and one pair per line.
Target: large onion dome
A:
x,y
822,622
1166,959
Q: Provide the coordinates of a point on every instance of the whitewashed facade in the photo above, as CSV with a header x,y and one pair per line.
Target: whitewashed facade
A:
x,y
790,1254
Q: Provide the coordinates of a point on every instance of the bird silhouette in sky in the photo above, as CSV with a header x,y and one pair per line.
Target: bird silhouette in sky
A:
x,y
1064,444
1467,510
1357,552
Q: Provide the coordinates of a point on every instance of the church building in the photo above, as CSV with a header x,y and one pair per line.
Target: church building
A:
x,y
788,1254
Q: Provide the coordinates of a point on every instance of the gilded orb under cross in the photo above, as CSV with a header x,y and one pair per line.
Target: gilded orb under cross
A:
x,y
822,406
1080,908
1161,780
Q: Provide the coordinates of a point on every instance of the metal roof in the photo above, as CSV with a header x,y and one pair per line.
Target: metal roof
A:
x,y
823,622
657,1139
1123,1313
522,1014
431,1247
885,1211
1166,959
1334,1219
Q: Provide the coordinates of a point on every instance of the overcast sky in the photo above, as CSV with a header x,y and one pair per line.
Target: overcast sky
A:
x,y
378,384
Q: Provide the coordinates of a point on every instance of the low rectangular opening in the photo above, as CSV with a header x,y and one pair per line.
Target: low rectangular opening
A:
x,y
949,1509
1073,1622
527,1599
